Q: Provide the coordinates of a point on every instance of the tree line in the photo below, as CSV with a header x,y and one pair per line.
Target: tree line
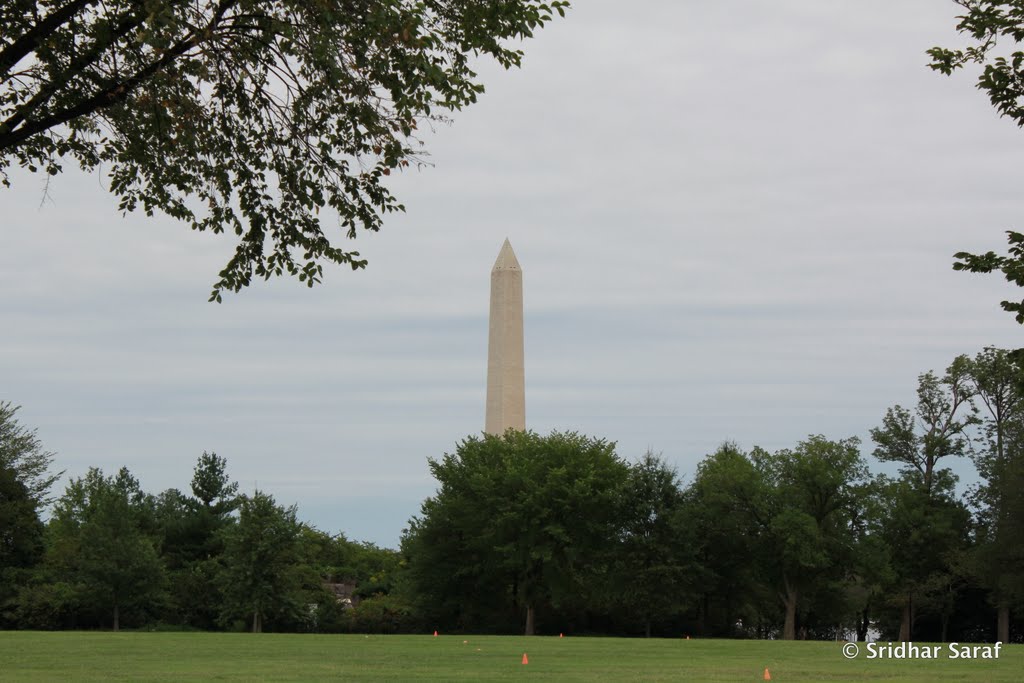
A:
x,y
112,555
559,533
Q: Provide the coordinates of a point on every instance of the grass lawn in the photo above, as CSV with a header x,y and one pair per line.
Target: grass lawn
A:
x,y
92,656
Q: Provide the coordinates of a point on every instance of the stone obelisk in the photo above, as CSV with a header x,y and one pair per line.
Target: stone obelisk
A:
x,y
506,384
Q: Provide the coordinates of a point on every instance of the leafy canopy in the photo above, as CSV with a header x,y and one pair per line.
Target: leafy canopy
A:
x,y
260,557
102,542
519,522
246,116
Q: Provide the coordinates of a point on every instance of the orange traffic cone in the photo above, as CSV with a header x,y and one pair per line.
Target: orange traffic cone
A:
x,y
561,635
526,660
767,676
435,634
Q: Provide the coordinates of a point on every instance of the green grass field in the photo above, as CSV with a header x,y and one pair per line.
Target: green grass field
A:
x,y
72,657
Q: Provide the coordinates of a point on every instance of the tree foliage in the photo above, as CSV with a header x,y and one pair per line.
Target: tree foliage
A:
x,y
1011,266
212,487
519,523
21,538
103,543
246,116
725,508
938,427
992,26
261,554
813,496
655,557
925,531
25,480
193,540
23,453
21,532
998,556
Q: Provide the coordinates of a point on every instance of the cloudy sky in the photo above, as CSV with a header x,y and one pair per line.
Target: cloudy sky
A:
x,y
735,221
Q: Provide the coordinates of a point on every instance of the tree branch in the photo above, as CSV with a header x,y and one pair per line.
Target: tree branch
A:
x,y
114,93
77,67
26,44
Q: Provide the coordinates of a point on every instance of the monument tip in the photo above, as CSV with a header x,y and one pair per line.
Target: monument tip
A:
x,y
506,258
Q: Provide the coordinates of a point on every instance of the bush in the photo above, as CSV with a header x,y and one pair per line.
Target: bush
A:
x,y
44,606
383,614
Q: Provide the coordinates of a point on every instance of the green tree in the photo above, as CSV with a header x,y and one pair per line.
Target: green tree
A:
x,y
944,411
25,481
654,561
519,522
725,509
814,494
261,562
191,524
21,537
21,532
338,559
325,559
866,589
998,557
22,452
193,543
925,532
103,543
211,485
997,380
991,26
377,574
921,530
246,116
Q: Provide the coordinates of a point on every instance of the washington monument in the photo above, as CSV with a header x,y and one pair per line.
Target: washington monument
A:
x,y
506,385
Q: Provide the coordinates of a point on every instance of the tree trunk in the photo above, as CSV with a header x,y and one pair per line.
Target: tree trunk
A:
x,y
702,622
1003,623
647,628
906,617
862,625
789,628
117,618
529,621
257,622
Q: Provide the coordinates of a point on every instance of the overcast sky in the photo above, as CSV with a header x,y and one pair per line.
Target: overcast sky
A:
x,y
735,221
